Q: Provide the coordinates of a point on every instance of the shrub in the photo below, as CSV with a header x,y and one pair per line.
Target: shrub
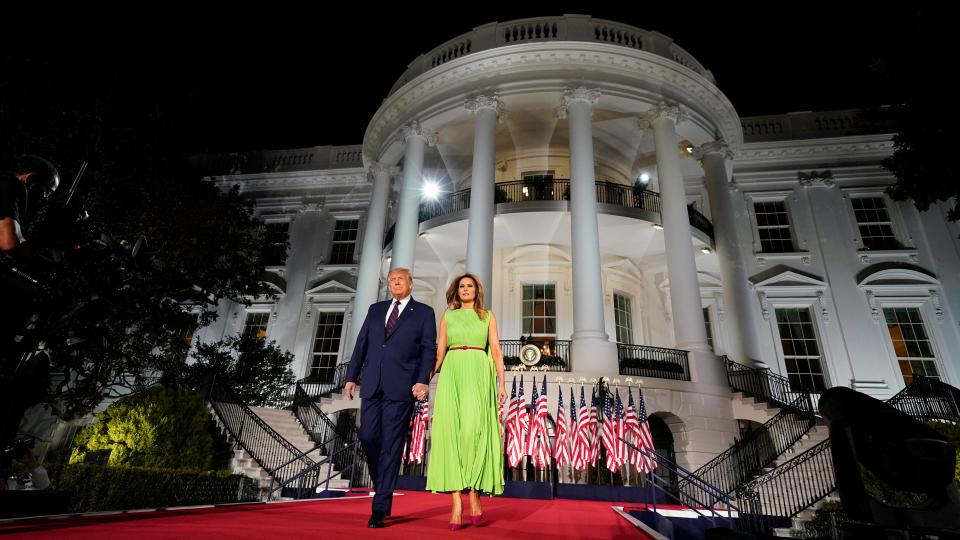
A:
x,y
94,488
158,427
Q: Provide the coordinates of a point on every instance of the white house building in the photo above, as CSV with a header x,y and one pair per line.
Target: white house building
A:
x,y
622,217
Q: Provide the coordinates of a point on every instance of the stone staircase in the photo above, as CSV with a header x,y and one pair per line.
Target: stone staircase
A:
x,y
750,408
284,423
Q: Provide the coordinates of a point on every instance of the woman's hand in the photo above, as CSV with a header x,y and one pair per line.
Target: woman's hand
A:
x,y
501,395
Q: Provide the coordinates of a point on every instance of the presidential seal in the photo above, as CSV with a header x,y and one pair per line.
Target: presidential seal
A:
x,y
529,355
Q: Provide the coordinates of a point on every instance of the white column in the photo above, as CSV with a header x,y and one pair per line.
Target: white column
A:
x,y
408,213
487,110
687,309
371,253
591,349
713,157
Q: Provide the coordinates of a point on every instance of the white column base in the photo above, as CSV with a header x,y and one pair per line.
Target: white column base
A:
x,y
707,368
594,354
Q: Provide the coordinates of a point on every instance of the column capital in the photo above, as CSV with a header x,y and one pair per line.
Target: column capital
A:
x,y
377,168
580,93
485,101
718,146
415,129
661,110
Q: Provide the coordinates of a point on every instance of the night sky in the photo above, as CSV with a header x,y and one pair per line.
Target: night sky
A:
x,y
296,77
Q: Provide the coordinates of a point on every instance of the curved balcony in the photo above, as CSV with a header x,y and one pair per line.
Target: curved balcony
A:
x,y
528,195
565,28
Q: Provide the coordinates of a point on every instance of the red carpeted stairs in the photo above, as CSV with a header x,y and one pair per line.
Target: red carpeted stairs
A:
x,y
416,515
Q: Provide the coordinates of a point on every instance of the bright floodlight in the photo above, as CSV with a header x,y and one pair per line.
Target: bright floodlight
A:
x,y
644,178
431,190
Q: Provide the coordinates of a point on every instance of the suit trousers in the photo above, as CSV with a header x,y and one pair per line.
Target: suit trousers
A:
x,y
383,429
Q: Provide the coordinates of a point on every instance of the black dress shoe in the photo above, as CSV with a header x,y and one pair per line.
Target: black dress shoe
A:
x,y
376,520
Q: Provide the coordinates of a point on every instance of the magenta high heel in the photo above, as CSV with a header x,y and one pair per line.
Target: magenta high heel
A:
x,y
455,526
475,520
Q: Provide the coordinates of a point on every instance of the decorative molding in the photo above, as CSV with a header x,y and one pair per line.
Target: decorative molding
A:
x,y
874,307
822,305
580,93
870,385
415,129
718,146
719,305
816,179
937,304
485,101
867,257
502,165
382,168
764,305
661,110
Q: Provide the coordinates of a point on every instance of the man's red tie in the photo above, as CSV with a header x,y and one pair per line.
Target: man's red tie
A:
x,y
392,321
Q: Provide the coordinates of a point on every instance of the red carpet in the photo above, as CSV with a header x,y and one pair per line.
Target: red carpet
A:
x,y
417,515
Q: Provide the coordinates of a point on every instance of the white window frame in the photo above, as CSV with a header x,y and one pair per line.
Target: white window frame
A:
x,y
811,307
897,287
909,250
775,196
315,316
632,315
333,243
556,308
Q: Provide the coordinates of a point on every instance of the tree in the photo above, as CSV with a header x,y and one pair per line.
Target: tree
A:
x,y
116,316
257,371
925,121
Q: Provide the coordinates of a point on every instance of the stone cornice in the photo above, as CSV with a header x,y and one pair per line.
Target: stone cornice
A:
x,y
253,182
872,147
609,64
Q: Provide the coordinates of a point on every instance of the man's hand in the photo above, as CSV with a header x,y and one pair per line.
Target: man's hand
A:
x,y
420,391
348,389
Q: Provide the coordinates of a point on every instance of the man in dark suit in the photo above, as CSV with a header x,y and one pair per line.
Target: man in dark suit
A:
x,y
395,351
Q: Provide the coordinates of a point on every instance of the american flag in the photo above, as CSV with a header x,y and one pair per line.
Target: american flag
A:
x,y
541,450
636,424
561,444
523,420
421,415
621,432
609,433
581,447
532,427
514,451
594,424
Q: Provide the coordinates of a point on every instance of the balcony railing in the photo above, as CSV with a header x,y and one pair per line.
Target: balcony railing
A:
x,y
657,362
554,353
523,191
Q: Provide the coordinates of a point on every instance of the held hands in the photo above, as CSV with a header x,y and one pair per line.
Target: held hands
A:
x,y
348,389
420,391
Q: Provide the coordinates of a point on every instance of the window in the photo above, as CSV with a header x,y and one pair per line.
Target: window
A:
x,y
623,318
708,326
539,310
801,352
326,346
538,186
256,325
874,224
911,343
344,241
773,226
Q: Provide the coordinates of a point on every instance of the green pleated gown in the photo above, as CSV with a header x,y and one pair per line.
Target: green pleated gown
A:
x,y
465,448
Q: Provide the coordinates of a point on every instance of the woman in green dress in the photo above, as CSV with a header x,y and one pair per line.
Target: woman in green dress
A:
x,y
465,448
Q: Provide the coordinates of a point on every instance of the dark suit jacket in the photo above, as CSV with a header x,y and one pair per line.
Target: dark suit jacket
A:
x,y
396,363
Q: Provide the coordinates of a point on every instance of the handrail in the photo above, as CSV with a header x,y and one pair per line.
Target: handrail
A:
x,y
783,492
761,447
264,445
312,469
648,361
316,387
319,427
762,383
692,479
557,189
